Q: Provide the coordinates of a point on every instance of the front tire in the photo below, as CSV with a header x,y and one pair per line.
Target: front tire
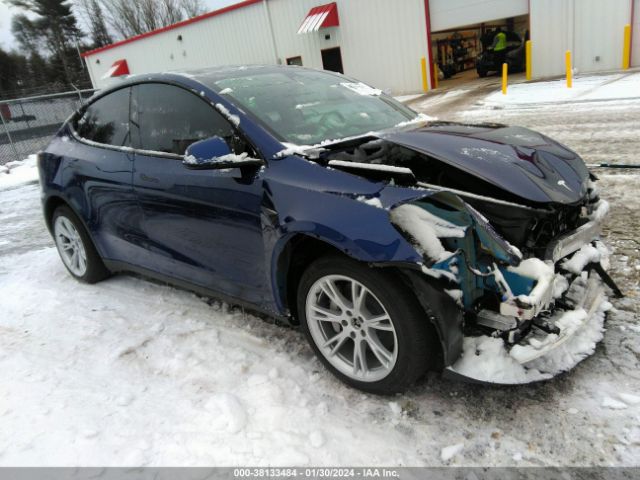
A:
x,y
364,325
75,248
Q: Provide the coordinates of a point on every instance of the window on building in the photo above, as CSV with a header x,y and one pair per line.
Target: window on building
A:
x,y
168,119
294,61
107,120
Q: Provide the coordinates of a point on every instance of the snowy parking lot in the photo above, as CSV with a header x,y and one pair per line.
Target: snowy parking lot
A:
x,y
132,372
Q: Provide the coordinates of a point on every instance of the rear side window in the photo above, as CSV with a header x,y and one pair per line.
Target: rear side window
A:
x,y
107,120
168,119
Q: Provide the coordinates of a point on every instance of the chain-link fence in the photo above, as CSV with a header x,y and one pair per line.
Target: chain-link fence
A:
x,y
29,123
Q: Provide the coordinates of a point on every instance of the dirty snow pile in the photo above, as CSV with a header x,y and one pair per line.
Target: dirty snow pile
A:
x,y
17,173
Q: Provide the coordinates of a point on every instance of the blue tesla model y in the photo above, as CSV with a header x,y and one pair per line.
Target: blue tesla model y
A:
x,y
397,243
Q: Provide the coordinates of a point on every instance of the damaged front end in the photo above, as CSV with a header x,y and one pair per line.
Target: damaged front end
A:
x,y
525,319
511,223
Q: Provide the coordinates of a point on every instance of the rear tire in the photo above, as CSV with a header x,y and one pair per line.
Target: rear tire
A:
x,y
384,325
75,247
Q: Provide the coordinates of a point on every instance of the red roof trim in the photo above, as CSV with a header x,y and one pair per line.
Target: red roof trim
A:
x,y
189,21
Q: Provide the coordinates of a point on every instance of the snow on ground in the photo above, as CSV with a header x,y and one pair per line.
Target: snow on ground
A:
x,y
617,86
18,172
131,372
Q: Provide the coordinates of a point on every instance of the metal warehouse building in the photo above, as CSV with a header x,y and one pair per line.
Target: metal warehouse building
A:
x,y
380,42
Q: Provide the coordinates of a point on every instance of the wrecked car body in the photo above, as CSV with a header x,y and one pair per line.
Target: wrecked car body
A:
x,y
396,242
530,271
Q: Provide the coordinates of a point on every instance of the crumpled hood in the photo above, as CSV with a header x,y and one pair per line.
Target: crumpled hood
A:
x,y
516,159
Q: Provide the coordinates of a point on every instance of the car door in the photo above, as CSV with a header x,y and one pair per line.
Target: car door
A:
x,y
203,226
98,176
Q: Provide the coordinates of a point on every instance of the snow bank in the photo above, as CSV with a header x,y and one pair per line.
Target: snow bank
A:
x,y
586,88
19,172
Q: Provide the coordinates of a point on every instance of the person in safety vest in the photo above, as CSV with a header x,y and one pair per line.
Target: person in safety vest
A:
x,y
499,47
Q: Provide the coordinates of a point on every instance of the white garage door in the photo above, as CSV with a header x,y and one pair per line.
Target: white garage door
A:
x,y
447,14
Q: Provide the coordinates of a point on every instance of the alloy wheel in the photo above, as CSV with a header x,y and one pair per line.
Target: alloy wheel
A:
x,y
70,246
351,328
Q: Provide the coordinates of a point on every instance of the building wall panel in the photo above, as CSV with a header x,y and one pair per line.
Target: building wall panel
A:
x,y
383,45
635,35
599,34
447,14
551,22
589,28
381,41
237,37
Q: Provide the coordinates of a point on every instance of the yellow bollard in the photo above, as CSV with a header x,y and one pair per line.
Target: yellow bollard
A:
x,y
527,50
567,61
423,66
505,71
626,48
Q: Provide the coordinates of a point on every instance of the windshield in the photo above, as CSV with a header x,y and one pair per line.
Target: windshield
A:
x,y
306,107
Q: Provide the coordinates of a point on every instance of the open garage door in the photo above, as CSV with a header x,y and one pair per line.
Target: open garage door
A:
x,y
466,53
450,14
462,30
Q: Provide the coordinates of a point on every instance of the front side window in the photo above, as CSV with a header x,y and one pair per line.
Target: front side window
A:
x,y
107,120
168,119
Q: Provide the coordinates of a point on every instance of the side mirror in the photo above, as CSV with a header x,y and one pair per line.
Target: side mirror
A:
x,y
215,153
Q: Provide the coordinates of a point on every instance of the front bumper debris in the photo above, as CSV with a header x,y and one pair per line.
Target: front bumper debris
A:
x,y
572,241
540,343
563,330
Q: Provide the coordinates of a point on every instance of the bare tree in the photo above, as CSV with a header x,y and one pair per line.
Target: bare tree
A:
x,y
129,18
192,8
93,17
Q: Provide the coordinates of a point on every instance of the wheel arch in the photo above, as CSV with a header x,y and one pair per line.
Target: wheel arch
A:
x,y
299,251
442,312
50,206
52,203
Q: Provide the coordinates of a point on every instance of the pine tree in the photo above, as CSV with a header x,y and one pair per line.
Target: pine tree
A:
x,y
57,24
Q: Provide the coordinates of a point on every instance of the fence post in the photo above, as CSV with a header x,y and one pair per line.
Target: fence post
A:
x,y
13,147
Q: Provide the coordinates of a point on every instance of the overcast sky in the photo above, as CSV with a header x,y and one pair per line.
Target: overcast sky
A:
x,y
6,39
